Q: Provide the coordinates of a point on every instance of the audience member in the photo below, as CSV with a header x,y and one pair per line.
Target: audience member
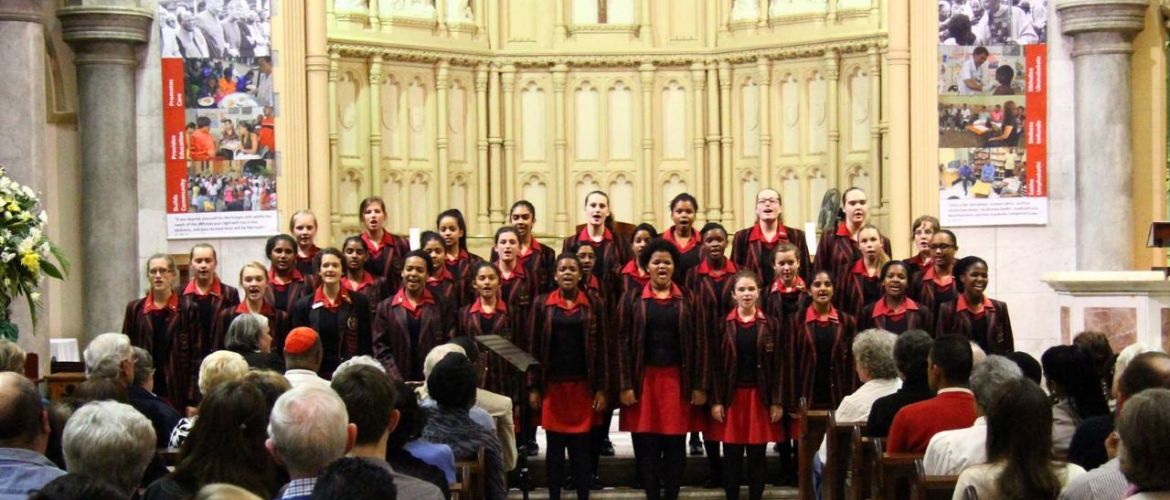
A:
x,y
1144,442
873,356
270,383
452,385
11,357
221,491
1073,383
226,445
302,358
356,361
498,406
911,357
249,336
110,441
308,429
952,408
162,416
24,437
409,454
72,487
110,355
1087,448
369,400
356,479
478,415
217,368
1028,365
1096,346
100,389
949,452
1018,465
1149,370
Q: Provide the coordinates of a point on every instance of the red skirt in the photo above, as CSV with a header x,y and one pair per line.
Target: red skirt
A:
x,y
746,421
567,407
661,408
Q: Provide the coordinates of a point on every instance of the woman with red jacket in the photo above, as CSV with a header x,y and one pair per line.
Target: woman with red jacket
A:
x,y
410,323
254,283
981,319
682,234
751,246
862,284
894,312
609,247
286,282
489,315
340,318
936,285
536,258
385,249
458,261
152,323
838,251
303,226
820,361
357,279
633,276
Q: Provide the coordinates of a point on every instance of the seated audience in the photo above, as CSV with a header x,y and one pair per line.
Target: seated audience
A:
x,y
302,358
270,383
162,415
1144,441
369,400
11,357
873,355
356,479
1087,448
452,385
309,428
109,441
911,352
226,445
249,336
100,389
1149,370
222,491
409,454
1072,380
217,368
1096,346
1028,365
24,438
73,487
949,452
1019,463
498,406
952,408
110,355
478,415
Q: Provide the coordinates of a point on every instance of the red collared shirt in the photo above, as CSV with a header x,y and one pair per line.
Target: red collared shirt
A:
x,y
962,305
367,280
584,236
265,309
517,272
274,279
376,251
442,275
648,293
309,255
320,300
414,309
593,284
148,305
860,269
943,282
734,315
778,286
631,269
525,253
843,230
704,268
880,308
477,307
555,299
458,257
669,236
811,316
216,288
757,234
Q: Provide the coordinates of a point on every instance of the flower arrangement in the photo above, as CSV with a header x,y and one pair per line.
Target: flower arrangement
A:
x,y
26,254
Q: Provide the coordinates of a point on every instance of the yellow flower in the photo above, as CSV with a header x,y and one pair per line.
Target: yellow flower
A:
x,y
13,207
32,261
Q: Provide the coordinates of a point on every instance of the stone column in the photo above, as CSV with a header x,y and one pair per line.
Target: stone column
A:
x,y
646,74
319,108
442,84
496,145
508,87
832,110
105,39
1102,32
481,148
726,143
698,124
715,204
561,219
374,187
764,67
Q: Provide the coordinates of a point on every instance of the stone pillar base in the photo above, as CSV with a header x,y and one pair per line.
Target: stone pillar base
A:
x,y
1127,306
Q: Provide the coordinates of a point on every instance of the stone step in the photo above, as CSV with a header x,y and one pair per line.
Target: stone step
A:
x,y
620,471
689,492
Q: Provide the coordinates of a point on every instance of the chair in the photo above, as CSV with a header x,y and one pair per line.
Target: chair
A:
x,y
928,487
894,473
470,483
970,493
812,429
861,464
838,447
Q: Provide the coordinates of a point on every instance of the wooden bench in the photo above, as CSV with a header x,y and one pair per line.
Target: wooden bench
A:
x,y
838,448
893,475
470,483
928,487
862,463
813,424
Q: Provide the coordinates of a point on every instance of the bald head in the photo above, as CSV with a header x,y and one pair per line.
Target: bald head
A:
x,y
23,423
1148,370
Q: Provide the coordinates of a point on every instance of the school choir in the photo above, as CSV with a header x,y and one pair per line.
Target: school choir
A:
x,y
664,327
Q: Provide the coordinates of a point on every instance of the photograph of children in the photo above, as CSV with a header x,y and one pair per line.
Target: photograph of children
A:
x,y
237,29
981,122
231,186
982,173
230,134
996,70
992,22
220,83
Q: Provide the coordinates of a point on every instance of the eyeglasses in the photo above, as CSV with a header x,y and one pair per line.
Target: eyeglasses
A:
x,y
158,271
941,246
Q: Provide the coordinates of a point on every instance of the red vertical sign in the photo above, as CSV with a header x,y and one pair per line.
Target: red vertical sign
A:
x,y
175,135
1036,60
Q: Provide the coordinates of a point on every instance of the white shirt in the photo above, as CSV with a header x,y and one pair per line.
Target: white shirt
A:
x,y
971,72
298,377
855,407
983,477
949,452
1105,481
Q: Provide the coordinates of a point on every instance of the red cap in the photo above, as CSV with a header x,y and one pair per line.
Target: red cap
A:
x,y
300,340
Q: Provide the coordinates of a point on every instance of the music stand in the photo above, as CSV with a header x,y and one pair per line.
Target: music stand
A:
x,y
1159,237
522,361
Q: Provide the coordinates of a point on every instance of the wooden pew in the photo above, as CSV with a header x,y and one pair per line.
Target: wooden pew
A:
x,y
894,473
470,483
812,429
839,450
862,464
932,487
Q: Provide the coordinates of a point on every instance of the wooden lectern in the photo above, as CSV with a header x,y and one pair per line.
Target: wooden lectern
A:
x,y
1159,237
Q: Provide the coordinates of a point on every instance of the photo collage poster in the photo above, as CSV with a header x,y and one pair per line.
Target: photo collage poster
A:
x,y
218,118
992,110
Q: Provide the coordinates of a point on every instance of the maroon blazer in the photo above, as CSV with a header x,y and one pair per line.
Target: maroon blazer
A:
x,y
278,326
198,339
596,348
631,354
391,335
352,328
538,263
295,290
784,307
387,261
914,317
612,254
849,296
462,269
749,250
518,292
802,361
713,298
689,256
769,352
837,252
138,326
955,318
928,293
501,376
375,288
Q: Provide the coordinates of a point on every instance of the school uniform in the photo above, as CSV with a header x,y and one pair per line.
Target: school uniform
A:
x,y
446,291
746,379
158,330
991,327
689,254
474,321
538,262
305,263
518,290
907,316
633,277
461,267
785,306
820,360
403,334
918,264
385,257
343,325
612,253
837,252
283,295
375,288
930,290
198,311
750,249
858,289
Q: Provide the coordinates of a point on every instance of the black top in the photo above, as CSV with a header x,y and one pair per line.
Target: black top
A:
x,y
824,335
280,296
746,355
881,414
897,326
486,323
162,348
979,331
566,355
162,416
791,302
327,331
206,312
871,290
414,328
663,347
1088,443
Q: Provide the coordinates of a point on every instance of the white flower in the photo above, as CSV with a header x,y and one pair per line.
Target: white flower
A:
x,y
7,257
35,297
43,217
27,191
25,246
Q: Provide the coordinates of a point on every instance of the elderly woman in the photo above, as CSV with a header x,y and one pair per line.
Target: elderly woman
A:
x,y
110,355
249,335
161,414
11,357
217,369
873,357
1144,441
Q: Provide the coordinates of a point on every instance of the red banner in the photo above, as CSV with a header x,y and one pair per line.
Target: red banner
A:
x,y
1036,97
174,134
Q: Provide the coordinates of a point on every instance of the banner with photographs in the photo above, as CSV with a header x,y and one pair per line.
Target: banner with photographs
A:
x,y
218,116
992,106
